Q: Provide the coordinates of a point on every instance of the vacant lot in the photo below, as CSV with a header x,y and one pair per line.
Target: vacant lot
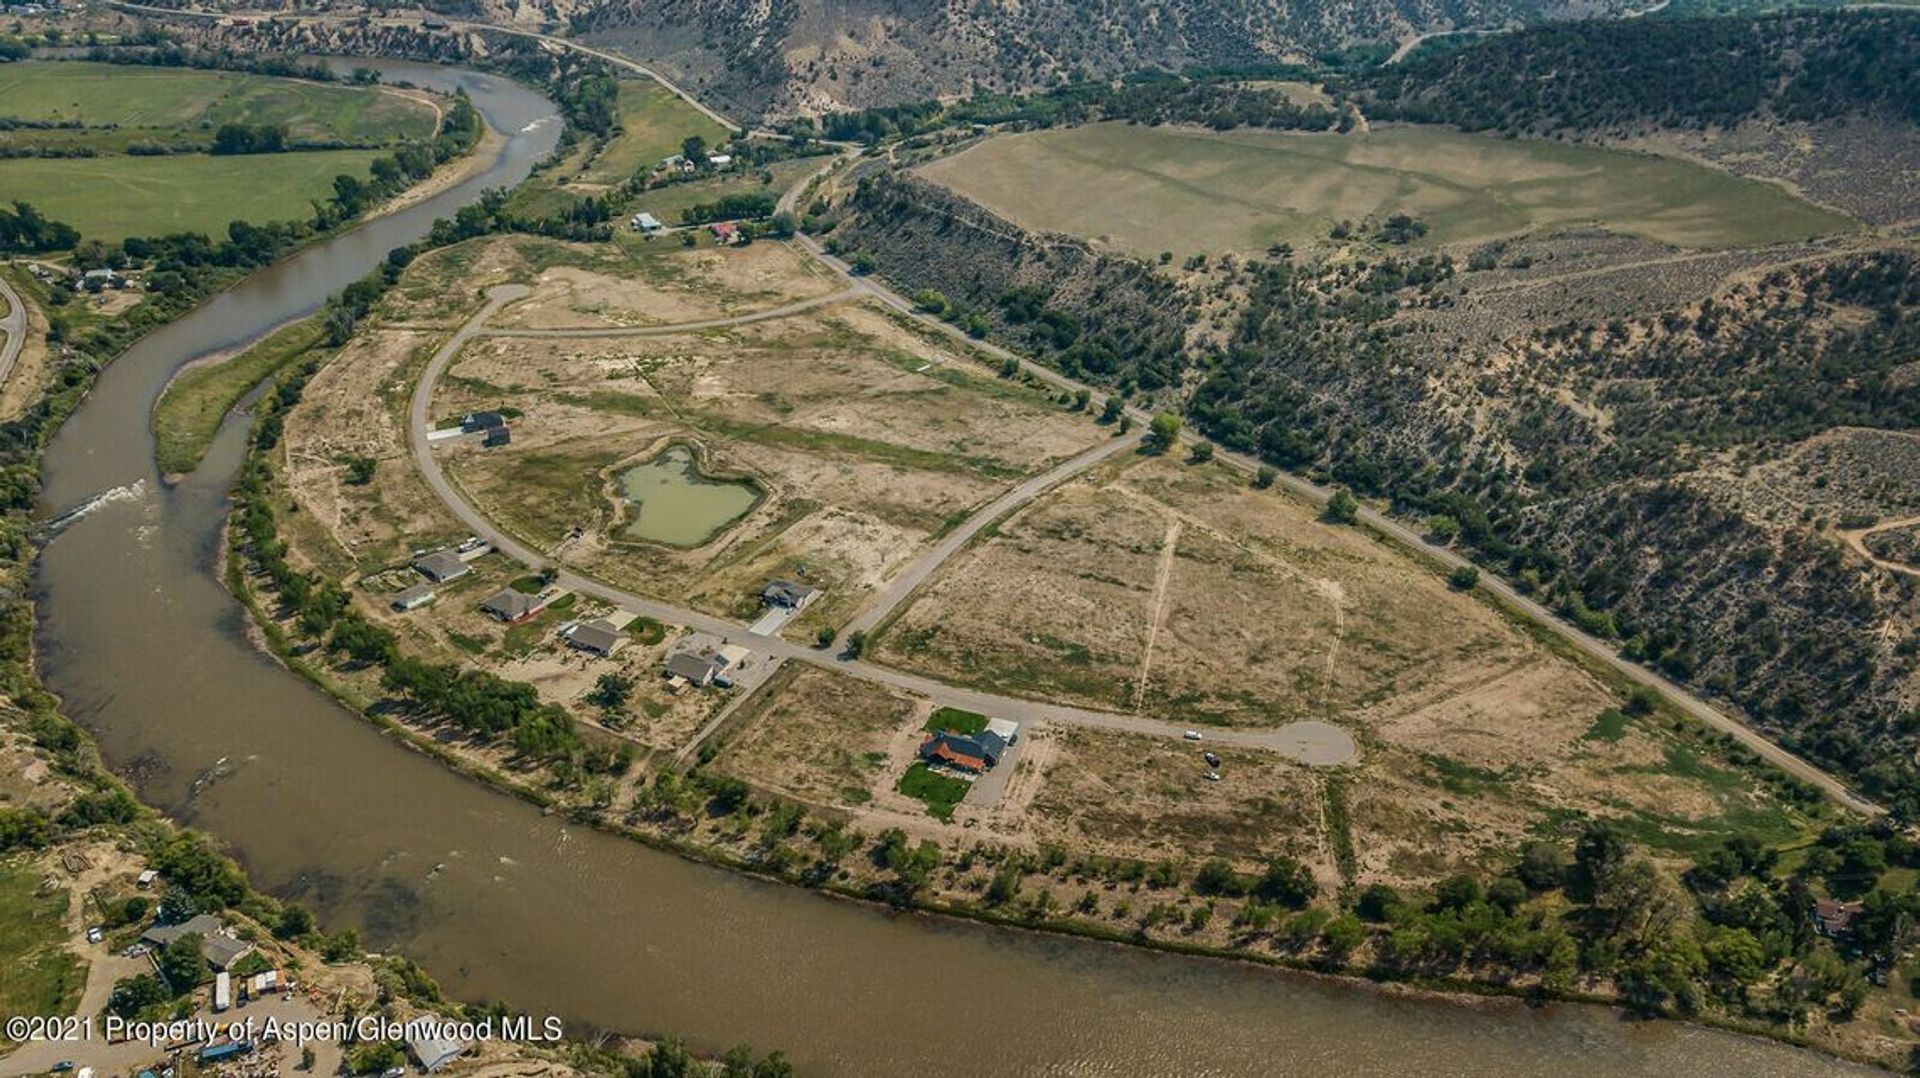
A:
x,y
866,441
819,737
661,283
181,102
111,198
38,975
1148,189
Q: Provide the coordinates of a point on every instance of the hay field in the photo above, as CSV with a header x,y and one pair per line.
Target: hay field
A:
x,y
1147,190
653,124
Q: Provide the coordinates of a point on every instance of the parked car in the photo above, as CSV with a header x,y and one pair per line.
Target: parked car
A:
x,y
62,1067
96,934
1213,776
1211,759
1191,735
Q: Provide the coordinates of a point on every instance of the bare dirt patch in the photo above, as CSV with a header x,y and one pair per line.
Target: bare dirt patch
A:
x,y
822,739
664,288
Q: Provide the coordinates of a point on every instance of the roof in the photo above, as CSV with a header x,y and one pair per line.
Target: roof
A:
x,y
497,436
203,925
1835,916
724,228
647,220
431,1049
688,665
510,604
441,565
785,593
942,750
974,751
418,595
473,421
1005,729
597,636
731,656
223,951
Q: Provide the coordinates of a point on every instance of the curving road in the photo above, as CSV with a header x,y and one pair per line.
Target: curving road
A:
x,y
14,326
1599,650
1316,743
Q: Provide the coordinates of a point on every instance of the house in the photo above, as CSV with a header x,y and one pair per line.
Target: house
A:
x,y
597,636
725,232
441,566
96,279
413,598
218,948
428,1040
786,593
975,753
475,422
1833,918
497,436
513,606
687,667
647,223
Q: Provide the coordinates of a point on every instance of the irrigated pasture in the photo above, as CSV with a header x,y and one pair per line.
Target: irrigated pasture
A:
x,y
1153,189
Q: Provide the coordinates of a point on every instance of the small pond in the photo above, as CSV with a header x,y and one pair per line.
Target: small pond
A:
x,y
674,504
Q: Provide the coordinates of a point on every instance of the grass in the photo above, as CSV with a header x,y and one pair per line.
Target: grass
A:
x,y
953,718
170,103
1154,189
654,122
940,793
1610,726
189,412
111,198
38,975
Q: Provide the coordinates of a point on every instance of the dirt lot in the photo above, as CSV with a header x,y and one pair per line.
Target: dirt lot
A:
x,y
668,285
822,738
865,443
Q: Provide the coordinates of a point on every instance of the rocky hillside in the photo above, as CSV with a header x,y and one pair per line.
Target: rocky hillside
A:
x,y
805,56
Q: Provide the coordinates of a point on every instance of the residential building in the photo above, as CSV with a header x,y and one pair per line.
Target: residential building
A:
x,y
475,422
597,636
497,436
1834,918
786,593
425,1041
441,566
686,667
973,753
725,232
512,606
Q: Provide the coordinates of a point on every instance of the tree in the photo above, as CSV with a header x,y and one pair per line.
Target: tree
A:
x,y
136,994
824,638
1442,528
694,149
181,964
1342,508
856,643
1201,453
294,921
1163,432
1377,902
1463,578
1287,882
1542,866
1264,476
863,263
1111,410
611,692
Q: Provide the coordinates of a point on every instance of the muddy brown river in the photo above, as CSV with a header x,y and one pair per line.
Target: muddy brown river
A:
x,y
500,902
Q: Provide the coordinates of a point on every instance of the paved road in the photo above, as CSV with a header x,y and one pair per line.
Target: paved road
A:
x,y
1310,742
14,326
1592,646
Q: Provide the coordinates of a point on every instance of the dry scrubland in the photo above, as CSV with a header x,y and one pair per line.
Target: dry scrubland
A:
x,y
1149,584
1146,189
865,443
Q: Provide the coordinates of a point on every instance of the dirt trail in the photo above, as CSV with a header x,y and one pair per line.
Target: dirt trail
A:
x,y
1161,579
1857,539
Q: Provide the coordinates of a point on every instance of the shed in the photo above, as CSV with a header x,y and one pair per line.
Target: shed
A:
x,y
413,598
429,1046
648,223
597,636
441,566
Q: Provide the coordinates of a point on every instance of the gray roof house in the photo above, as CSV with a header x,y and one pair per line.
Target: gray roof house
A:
x,y
413,598
691,667
474,422
441,566
785,593
510,605
426,1040
216,946
598,637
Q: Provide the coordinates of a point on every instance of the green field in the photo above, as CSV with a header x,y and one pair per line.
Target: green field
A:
x,y
940,793
1154,189
111,198
654,122
190,410
38,975
166,101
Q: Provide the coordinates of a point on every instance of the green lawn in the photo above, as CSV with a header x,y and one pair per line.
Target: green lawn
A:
x,y
1154,189
939,792
193,102
953,718
190,411
111,198
654,122
38,975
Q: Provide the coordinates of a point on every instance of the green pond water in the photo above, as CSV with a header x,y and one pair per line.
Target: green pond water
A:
x,y
677,505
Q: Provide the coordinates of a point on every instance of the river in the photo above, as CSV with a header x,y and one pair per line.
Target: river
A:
x,y
498,901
